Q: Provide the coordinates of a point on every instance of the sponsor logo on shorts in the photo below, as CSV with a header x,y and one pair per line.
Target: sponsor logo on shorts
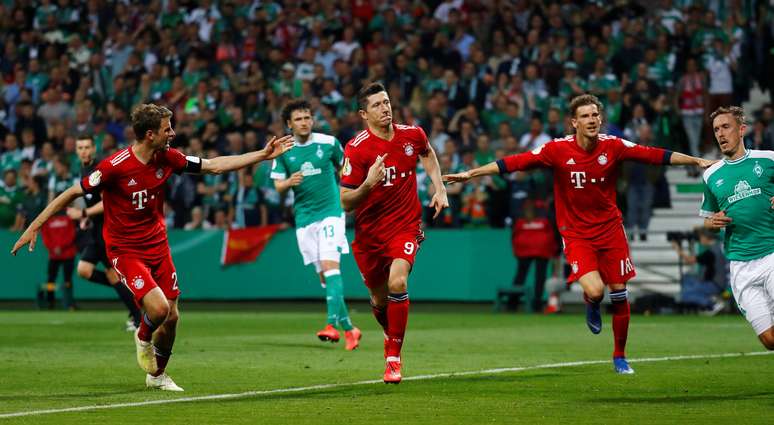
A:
x,y
137,282
574,266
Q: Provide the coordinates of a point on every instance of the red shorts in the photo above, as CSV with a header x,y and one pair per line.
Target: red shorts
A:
x,y
141,274
374,262
608,254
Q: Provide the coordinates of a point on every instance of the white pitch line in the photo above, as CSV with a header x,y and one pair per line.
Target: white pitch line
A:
x,y
374,381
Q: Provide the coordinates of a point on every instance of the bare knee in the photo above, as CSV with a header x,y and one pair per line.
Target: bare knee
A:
x,y
85,269
595,293
172,318
767,338
158,312
398,284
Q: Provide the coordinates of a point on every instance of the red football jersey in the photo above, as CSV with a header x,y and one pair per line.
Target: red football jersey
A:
x,y
59,237
133,196
585,182
392,206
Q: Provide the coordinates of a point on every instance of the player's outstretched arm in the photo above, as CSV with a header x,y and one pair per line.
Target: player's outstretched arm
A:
x,y
678,158
352,198
30,235
485,170
440,200
223,164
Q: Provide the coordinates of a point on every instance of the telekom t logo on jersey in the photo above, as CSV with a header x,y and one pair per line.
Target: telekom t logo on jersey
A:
x,y
389,175
578,178
140,199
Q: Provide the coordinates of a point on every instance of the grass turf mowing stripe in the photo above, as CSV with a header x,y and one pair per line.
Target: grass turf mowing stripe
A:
x,y
375,381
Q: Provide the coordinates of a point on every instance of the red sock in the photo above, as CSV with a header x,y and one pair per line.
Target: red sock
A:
x,y
397,316
381,315
147,327
162,358
621,315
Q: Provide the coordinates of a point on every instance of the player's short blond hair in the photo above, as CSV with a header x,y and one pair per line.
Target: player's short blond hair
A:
x,y
736,111
148,117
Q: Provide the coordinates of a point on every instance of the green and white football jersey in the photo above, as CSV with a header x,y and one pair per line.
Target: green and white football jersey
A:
x,y
743,189
317,197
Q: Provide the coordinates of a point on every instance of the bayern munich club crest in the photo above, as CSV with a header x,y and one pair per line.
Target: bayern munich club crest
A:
x,y
408,149
138,283
159,173
602,159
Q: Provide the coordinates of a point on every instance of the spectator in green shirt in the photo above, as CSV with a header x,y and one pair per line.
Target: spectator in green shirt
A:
x,y
10,198
12,155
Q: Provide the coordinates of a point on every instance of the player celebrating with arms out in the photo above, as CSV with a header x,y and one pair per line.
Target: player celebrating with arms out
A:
x,y
132,182
379,183
739,196
585,167
309,169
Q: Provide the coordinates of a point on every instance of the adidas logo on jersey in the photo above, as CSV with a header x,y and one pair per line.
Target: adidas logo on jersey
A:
x,y
132,183
571,161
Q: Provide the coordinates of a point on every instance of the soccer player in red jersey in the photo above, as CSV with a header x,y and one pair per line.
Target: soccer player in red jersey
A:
x,y
585,167
132,182
379,183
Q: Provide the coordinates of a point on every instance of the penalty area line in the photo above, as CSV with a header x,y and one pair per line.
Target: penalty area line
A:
x,y
248,394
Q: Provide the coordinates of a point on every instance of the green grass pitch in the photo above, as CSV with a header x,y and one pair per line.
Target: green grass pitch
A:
x,y
59,360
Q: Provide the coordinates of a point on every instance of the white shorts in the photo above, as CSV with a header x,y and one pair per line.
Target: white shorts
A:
x,y
323,240
753,285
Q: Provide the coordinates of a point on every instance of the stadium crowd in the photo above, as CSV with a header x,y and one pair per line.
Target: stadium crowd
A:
x,y
484,79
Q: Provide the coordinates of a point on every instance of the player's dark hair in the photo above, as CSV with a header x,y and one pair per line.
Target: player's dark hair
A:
x,y
148,117
365,92
736,111
88,138
294,105
583,100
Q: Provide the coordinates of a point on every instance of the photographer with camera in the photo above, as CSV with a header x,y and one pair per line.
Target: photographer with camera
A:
x,y
704,288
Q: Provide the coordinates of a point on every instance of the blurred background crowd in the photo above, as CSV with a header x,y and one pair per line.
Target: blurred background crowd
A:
x,y
484,78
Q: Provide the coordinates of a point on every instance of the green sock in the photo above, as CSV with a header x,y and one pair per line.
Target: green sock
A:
x,y
336,306
332,292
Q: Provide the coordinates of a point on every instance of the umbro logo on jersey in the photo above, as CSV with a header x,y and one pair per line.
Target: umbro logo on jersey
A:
x,y
571,161
132,183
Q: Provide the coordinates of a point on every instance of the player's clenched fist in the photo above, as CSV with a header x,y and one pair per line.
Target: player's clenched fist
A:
x,y
457,178
376,172
718,220
296,178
